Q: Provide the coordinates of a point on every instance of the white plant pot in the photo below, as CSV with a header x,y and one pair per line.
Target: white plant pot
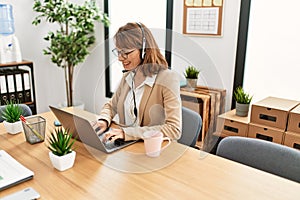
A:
x,y
192,83
13,128
62,163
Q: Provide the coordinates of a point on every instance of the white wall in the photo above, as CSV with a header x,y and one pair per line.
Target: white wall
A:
x,y
90,82
276,35
215,56
49,79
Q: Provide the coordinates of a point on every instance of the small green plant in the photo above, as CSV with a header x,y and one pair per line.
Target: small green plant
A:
x,y
191,72
61,142
241,96
12,112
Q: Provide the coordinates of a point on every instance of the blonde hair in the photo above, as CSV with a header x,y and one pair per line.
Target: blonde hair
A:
x,y
130,36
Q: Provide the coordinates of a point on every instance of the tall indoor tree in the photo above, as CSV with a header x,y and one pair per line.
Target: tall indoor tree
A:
x,y
70,42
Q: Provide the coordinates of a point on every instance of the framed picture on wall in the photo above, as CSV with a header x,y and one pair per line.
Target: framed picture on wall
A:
x,y
203,17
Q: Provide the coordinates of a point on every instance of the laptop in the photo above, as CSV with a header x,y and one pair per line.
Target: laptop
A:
x,y
11,171
80,123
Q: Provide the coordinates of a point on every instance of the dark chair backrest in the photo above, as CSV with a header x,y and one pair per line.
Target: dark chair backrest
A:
x,y
264,155
191,127
26,111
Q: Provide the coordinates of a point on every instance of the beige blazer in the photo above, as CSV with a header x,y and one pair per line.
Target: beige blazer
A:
x,y
159,109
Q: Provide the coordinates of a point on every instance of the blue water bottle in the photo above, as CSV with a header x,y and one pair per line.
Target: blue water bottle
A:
x,y
6,19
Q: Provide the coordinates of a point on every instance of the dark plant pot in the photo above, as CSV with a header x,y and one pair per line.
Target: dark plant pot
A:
x,y
242,109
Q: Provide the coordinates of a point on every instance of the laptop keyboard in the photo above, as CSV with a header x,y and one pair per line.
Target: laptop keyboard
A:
x,y
109,145
113,144
116,143
120,142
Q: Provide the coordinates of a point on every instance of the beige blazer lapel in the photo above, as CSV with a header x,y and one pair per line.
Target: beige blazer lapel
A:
x,y
144,101
121,103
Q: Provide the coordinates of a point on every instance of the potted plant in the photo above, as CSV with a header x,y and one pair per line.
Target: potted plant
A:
x,y
70,42
11,115
191,75
243,100
61,154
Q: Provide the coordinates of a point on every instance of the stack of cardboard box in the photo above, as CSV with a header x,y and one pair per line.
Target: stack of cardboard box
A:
x,y
273,119
229,124
269,118
292,135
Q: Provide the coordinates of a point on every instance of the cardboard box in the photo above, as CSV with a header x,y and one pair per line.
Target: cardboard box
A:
x,y
229,124
292,140
266,133
294,120
272,112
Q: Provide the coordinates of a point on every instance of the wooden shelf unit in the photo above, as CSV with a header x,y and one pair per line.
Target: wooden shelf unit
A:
x,y
211,102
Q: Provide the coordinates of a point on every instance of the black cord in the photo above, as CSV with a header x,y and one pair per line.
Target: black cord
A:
x,y
134,104
133,95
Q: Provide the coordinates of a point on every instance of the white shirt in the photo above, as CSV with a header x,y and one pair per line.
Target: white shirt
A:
x,y
129,103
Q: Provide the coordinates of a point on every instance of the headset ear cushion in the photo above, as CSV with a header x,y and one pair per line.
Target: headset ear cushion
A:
x,y
143,51
142,54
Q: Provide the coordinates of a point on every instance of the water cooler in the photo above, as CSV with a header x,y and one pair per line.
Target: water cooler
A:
x,y
9,45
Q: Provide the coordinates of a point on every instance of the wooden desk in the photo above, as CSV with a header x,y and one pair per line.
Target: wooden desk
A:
x,y
192,175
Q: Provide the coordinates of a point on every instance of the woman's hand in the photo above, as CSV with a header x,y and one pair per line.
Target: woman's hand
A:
x,y
113,134
99,126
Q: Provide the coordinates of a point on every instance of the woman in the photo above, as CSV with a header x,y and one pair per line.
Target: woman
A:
x,y
148,97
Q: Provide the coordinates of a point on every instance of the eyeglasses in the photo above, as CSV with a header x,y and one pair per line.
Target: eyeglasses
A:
x,y
122,52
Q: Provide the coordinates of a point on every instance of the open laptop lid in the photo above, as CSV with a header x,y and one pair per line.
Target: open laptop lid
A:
x,y
66,118
11,171
79,121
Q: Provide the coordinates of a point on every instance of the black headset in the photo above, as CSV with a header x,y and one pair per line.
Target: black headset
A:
x,y
142,56
143,50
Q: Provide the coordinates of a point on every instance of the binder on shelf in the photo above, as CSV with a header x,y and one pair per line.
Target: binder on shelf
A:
x,y
11,87
27,94
15,85
10,84
19,86
3,88
27,90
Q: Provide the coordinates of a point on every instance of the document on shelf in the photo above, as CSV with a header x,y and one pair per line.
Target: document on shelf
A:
x,y
11,171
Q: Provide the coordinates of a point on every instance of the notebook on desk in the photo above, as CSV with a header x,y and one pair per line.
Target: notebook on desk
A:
x,y
11,171
80,123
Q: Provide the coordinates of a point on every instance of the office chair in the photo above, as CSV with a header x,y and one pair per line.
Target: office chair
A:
x,y
191,127
26,111
264,155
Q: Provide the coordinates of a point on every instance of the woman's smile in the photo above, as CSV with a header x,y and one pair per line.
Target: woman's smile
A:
x,y
126,64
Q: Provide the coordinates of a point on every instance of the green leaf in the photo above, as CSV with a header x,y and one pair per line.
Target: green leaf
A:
x,y
61,142
241,96
12,111
191,72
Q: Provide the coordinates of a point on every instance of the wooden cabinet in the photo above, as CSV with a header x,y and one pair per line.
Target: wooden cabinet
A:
x,y
17,83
